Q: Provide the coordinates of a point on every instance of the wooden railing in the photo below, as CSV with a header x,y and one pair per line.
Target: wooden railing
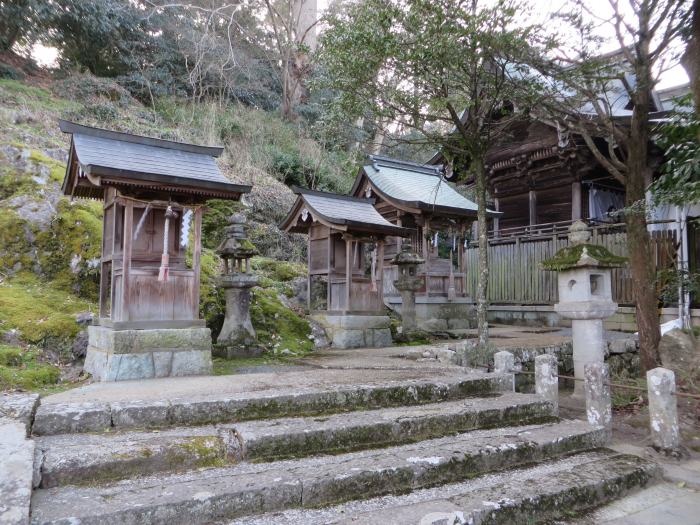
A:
x,y
437,283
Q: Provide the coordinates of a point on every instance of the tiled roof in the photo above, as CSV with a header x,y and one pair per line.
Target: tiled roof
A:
x,y
342,210
118,155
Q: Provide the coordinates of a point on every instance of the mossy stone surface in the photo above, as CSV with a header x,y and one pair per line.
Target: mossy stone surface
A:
x,y
568,257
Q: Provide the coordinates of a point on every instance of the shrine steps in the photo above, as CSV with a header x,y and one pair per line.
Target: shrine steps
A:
x,y
90,458
379,453
213,494
553,490
261,403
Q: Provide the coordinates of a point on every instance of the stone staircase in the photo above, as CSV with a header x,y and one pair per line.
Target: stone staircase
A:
x,y
459,449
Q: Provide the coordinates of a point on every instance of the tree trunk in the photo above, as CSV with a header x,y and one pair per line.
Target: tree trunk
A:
x,y
482,289
691,57
639,176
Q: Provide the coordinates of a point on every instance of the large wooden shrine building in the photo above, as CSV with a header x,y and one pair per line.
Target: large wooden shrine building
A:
x,y
153,191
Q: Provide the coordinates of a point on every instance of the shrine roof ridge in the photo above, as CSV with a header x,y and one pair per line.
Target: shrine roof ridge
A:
x,y
306,191
71,127
380,160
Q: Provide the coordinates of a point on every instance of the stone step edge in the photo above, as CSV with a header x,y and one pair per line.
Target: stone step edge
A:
x,y
59,418
228,493
571,489
133,454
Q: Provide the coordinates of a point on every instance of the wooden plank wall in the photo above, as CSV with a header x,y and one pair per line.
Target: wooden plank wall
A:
x,y
516,278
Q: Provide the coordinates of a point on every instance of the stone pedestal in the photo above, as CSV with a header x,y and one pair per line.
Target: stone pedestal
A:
x,y
122,355
237,337
589,347
356,331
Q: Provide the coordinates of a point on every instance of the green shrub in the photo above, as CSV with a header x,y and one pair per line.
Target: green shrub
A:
x,y
214,221
280,271
11,73
10,355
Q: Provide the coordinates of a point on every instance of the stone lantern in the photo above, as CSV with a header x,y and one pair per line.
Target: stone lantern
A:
x,y
408,283
585,295
237,336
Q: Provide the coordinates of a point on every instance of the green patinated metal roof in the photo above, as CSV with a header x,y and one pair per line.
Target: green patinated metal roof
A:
x,y
415,185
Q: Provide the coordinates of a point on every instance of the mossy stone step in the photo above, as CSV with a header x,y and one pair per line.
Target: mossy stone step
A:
x,y
245,489
544,493
267,403
94,458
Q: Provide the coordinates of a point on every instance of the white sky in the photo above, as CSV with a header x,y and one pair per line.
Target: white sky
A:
x,y
676,75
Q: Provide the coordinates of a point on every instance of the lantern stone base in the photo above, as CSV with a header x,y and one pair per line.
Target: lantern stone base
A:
x,y
122,355
230,350
437,314
355,331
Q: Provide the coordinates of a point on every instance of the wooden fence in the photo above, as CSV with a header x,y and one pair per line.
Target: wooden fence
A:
x,y
516,277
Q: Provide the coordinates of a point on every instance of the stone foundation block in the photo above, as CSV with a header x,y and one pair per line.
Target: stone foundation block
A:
x,y
122,355
356,331
135,341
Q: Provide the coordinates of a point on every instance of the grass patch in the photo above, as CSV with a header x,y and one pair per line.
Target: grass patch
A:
x,y
225,367
39,310
628,400
25,370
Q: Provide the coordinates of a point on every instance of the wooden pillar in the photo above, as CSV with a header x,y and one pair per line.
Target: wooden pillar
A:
x,y
427,246
308,270
532,206
330,263
348,272
576,200
126,258
197,261
460,259
380,271
496,221
399,240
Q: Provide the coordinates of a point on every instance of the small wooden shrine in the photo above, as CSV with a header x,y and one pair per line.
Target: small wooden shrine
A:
x,y
153,192
346,245
418,197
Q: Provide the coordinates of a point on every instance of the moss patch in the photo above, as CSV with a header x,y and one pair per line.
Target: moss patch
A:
x,y
15,245
39,310
277,326
69,251
23,369
567,257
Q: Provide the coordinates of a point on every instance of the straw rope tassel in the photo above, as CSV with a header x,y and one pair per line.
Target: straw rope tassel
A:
x,y
165,258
